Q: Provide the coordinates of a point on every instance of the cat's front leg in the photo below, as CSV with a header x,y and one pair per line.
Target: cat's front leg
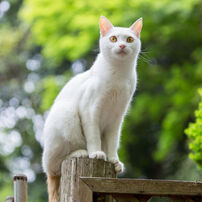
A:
x,y
93,140
111,142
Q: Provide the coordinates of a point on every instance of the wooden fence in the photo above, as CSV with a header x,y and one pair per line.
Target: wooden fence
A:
x,y
91,180
128,190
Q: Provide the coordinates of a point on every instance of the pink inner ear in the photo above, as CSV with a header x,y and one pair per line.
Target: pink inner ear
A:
x,y
105,25
137,27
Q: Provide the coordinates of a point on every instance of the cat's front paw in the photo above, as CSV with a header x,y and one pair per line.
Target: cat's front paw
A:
x,y
81,153
118,165
98,155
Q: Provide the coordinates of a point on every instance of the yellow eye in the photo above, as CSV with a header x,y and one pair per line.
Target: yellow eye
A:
x,y
113,39
130,39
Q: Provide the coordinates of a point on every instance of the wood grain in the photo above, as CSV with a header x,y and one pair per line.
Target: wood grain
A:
x,y
88,180
138,186
73,169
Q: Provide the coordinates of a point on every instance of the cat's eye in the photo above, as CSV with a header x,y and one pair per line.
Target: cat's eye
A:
x,y
130,39
113,39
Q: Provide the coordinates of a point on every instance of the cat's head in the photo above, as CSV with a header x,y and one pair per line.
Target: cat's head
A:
x,y
120,43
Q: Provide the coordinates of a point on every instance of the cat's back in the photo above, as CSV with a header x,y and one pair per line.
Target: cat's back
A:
x,y
65,105
71,90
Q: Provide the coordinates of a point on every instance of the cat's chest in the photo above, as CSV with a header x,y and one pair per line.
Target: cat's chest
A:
x,y
113,102
116,96
118,91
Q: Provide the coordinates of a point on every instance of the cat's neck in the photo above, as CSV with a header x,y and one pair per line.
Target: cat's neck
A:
x,y
110,68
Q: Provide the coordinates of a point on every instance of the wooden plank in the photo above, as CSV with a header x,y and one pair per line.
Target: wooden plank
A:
x,y
138,186
73,168
85,194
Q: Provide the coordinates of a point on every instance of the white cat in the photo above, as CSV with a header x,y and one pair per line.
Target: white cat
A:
x,y
87,115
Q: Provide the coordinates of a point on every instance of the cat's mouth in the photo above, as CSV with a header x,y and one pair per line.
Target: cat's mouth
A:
x,y
121,52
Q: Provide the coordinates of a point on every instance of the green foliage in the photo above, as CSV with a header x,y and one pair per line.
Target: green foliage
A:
x,y
194,132
179,91
5,190
69,29
51,87
187,171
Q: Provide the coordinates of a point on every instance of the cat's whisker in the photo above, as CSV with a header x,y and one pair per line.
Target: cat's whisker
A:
x,y
145,57
95,50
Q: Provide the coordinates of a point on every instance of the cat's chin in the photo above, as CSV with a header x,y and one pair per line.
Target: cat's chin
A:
x,y
121,55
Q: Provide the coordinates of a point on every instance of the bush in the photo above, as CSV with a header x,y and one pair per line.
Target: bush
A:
x,y
194,132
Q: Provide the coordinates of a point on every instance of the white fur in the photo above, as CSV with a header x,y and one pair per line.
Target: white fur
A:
x,y
87,115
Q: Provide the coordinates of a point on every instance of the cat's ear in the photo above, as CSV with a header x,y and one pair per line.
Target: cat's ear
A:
x,y
105,25
137,27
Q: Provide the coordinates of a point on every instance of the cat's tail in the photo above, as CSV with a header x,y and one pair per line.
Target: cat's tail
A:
x,y
53,188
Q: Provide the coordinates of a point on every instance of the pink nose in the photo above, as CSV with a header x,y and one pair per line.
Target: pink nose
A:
x,y
122,46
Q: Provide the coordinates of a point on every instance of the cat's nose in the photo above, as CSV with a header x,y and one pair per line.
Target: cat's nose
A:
x,y
122,46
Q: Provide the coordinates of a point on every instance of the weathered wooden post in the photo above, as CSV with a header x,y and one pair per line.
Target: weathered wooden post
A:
x,y
10,199
74,168
20,188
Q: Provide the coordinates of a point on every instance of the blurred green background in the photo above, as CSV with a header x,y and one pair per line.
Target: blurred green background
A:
x,y
44,43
